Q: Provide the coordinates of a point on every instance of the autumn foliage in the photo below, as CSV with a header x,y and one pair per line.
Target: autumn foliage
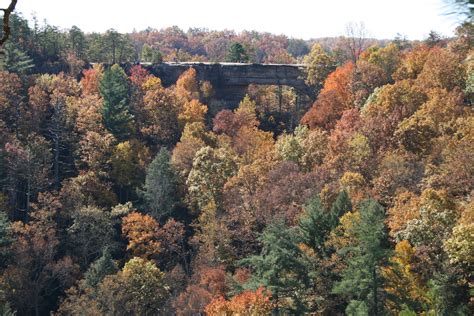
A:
x,y
123,195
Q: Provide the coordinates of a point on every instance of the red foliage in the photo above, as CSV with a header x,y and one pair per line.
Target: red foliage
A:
x,y
335,97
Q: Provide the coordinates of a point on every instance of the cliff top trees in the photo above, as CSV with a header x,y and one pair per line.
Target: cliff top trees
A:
x,y
237,54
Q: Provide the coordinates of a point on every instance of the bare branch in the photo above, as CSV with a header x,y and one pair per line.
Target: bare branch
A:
x,y
6,21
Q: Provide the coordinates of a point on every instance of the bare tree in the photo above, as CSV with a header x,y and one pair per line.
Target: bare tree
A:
x,y
6,29
355,39
6,22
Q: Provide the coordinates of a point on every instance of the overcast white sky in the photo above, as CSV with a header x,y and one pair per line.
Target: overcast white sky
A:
x,y
295,18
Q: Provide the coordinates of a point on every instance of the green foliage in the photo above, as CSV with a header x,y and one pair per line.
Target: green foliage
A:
x,y
91,231
357,308
149,54
114,89
100,268
6,237
316,222
16,60
341,205
139,289
237,54
320,64
159,190
361,280
280,266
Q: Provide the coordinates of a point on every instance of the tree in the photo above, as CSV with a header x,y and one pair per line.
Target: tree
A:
x,y
116,115
90,233
462,8
100,268
16,60
138,289
237,54
28,166
193,111
142,234
433,39
6,29
77,41
319,65
160,125
159,190
192,139
187,87
211,169
279,266
6,238
44,273
151,55
335,97
362,281
404,286
91,79
116,46
341,205
355,39
128,161
316,223
250,303
207,282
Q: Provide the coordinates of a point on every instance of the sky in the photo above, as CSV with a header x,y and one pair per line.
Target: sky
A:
x,y
295,18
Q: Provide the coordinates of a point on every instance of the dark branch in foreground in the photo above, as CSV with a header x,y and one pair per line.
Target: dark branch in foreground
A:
x,y
6,21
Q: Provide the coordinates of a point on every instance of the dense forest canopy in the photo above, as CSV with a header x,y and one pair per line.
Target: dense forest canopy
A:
x,y
119,196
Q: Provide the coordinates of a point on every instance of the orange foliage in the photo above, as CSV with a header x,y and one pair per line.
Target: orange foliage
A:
x,y
90,80
142,234
187,87
335,97
251,303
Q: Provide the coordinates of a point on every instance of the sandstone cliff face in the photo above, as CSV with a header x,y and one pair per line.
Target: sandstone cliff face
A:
x,y
230,80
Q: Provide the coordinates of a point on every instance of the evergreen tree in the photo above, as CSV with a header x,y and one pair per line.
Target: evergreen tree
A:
x,y
316,223
100,268
159,189
237,54
341,205
280,266
114,89
5,237
362,282
16,60
150,54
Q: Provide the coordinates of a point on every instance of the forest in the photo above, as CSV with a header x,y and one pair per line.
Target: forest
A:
x,y
120,196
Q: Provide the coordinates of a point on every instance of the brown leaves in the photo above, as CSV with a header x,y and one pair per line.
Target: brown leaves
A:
x,y
142,234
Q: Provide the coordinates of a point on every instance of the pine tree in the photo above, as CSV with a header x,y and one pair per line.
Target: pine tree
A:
x,y
237,54
16,60
159,189
102,267
316,223
341,205
114,89
5,237
280,266
362,282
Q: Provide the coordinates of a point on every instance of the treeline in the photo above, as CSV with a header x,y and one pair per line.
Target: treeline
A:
x,y
119,196
44,48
